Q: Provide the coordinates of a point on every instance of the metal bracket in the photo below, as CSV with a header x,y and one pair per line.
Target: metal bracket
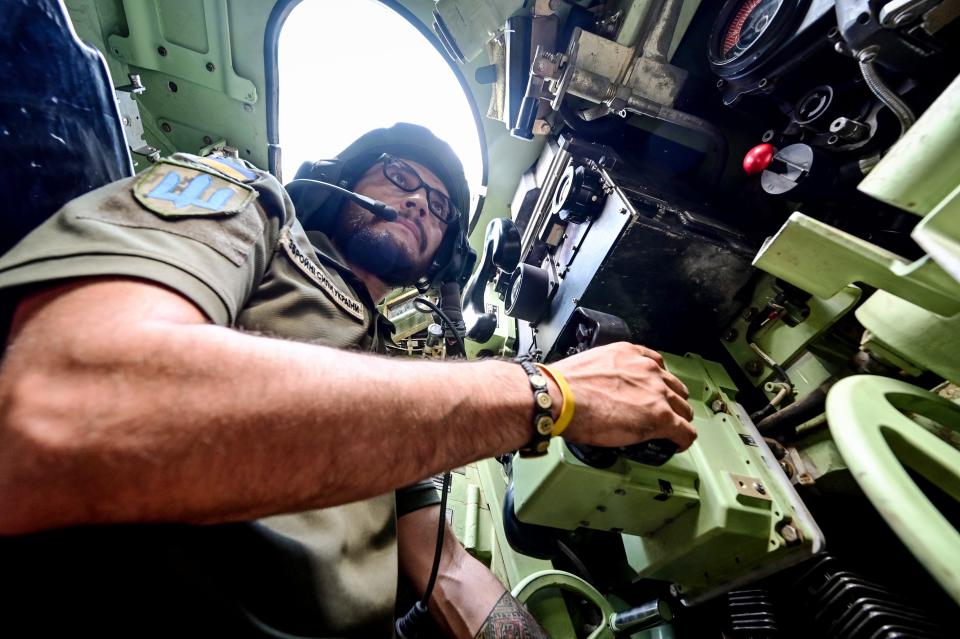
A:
x,y
750,487
822,259
147,47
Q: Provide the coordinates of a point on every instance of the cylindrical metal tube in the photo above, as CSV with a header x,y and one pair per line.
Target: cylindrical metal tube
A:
x,y
591,86
434,335
472,517
849,129
596,88
648,615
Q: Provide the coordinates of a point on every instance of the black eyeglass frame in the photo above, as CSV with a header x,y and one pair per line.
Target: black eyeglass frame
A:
x,y
454,212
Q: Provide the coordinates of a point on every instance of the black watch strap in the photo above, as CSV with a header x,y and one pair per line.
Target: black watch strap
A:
x,y
542,411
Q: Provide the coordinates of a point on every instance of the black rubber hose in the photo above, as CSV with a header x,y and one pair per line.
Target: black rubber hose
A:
x,y
693,123
804,409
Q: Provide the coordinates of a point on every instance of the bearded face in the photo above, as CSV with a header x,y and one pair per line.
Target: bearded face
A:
x,y
396,252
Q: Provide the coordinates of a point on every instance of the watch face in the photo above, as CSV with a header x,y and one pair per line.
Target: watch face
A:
x,y
748,22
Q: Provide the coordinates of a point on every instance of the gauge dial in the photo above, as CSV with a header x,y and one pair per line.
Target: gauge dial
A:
x,y
748,23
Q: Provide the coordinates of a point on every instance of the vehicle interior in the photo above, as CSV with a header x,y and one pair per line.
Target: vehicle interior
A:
x,y
765,191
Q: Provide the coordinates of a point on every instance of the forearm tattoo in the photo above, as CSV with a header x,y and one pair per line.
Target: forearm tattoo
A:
x,y
510,620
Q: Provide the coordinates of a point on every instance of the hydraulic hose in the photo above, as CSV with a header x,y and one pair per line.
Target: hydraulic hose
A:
x,y
784,421
883,93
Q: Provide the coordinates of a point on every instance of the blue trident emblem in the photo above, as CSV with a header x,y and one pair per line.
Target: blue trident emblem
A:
x,y
192,194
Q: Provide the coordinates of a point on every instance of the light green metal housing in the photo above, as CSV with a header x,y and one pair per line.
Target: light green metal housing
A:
x,y
718,514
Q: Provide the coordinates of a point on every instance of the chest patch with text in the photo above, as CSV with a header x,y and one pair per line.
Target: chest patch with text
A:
x,y
307,266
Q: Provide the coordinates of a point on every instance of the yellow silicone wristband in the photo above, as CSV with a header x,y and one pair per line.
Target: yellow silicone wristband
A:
x,y
568,405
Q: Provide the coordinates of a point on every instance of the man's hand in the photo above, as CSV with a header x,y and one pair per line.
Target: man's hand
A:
x,y
623,395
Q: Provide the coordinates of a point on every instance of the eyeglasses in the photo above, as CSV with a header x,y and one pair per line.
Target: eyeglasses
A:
x,y
405,178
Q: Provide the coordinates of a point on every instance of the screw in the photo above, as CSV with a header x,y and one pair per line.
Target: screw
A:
x,y
162,51
126,121
207,139
757,486
575,300
166,127
790,535
805,479
718,406
210,67
623,211
754,367
731,334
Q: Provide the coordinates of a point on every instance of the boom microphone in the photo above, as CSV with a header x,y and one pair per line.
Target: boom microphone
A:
x,y
378,208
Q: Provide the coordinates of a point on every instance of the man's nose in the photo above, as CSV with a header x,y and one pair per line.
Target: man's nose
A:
x,y
416,202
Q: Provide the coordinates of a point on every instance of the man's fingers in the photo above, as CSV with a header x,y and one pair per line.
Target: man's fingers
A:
x,y
682,433
679,405
675,384
652,354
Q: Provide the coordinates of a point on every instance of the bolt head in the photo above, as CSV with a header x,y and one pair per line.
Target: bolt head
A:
x,y
757,486
790,534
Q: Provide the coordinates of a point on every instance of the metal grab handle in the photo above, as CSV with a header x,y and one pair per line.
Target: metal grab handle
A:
x,y
877,441
566,581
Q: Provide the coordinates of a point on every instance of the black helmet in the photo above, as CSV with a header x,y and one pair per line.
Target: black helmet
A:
x,y
317,208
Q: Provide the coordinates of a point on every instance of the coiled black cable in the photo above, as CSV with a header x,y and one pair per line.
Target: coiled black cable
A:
x,y
422,301
407,625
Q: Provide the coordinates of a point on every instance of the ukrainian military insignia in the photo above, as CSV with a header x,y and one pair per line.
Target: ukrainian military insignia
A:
x,y
175,190
316,274
234,169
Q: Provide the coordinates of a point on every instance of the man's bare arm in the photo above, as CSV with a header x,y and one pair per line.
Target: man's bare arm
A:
x,y
119,403
465,593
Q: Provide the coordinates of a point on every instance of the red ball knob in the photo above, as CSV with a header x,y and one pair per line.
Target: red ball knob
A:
x,y
758,159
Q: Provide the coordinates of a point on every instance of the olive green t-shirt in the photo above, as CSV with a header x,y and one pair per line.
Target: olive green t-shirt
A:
x,y
225,236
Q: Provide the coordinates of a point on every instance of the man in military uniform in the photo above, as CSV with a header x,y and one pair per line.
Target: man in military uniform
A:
x,y
175,357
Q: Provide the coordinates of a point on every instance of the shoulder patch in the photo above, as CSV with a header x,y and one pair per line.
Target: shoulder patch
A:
x,y
234,169
175,190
